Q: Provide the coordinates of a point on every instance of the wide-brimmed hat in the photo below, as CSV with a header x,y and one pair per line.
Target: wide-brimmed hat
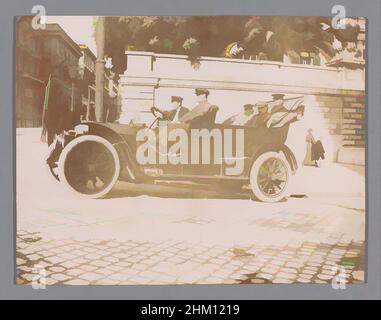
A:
x,y
261,104
277,96
248,106
200,91
176,99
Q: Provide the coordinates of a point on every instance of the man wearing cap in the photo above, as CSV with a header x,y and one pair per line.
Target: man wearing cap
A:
x,y
261,117
278,103
242,118
201,109
178,110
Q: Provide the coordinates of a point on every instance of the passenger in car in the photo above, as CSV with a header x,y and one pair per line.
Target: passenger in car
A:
x,y
201,109
242,118
261,117
278,103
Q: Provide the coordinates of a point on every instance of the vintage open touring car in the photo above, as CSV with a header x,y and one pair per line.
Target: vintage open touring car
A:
x,y
92,157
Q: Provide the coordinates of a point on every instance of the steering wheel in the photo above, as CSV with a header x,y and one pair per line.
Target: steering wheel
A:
x,y
159,115
162,114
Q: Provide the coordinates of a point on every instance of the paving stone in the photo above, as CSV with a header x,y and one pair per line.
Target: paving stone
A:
x,y
303,280
313,264
115,268
257,281
24,269
50,281
270,270
294,265
77,282
325,276
282,280
88,268
100,263
68,256
93,256
80,261
311,268
57,269
59,276
69,265
91,276
266,276
285,275
56,260
288,270
277,263
305,276
75,272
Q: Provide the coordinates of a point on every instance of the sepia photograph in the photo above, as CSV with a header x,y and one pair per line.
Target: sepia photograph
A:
x,y
172,150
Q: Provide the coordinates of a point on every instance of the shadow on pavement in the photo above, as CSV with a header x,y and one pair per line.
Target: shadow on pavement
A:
x,y
175,190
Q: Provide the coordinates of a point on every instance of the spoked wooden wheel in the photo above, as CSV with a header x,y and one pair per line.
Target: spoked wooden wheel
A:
x,y
269,177
89,166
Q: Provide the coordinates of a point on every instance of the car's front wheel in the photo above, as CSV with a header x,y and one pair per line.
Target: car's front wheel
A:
x,y
269,177
89,166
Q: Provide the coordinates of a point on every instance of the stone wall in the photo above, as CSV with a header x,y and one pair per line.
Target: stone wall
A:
x,y
334,97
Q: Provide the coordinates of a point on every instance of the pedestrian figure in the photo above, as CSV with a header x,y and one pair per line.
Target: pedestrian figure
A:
x,y
310,141
318,152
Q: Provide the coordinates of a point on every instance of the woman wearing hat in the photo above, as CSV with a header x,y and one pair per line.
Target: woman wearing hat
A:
x,y
310,141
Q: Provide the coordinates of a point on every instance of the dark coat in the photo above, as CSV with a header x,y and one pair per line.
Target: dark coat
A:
x,y
317,151
182,111
258,120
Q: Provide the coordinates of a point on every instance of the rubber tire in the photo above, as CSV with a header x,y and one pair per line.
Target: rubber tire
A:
x,y
254,174
67,150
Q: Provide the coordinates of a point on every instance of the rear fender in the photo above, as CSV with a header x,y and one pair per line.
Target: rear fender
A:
x,y
289,155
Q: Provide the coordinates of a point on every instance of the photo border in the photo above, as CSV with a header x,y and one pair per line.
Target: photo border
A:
x,y
371,11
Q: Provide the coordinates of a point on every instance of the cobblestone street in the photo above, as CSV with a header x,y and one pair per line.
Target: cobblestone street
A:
x,y
175,235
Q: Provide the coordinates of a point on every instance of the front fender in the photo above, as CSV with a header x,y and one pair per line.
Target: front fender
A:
x,y
131,172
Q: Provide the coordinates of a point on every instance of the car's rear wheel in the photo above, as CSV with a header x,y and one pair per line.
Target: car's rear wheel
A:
x,y
269,177
89,166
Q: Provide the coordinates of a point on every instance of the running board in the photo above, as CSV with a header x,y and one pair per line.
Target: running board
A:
x,y
192,177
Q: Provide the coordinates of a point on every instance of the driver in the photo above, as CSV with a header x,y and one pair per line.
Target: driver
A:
x,y
201,109
178,110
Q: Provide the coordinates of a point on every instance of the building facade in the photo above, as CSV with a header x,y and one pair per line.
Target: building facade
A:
x,y
40,55
30,79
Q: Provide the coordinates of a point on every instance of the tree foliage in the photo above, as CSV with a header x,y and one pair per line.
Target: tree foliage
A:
x,y
195,36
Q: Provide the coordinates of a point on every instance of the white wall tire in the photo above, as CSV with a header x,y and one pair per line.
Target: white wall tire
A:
x,y
269,177
89,166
